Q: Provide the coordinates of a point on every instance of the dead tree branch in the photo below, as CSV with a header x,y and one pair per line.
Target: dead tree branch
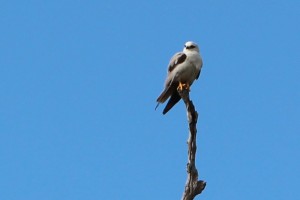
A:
x,y
193,187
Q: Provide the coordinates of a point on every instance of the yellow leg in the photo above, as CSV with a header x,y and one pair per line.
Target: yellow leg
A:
x,y
182,86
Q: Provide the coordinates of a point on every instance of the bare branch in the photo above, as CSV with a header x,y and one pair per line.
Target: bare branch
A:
x,y
193,187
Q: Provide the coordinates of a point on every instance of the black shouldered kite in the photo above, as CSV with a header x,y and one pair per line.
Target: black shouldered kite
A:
x,y
183,69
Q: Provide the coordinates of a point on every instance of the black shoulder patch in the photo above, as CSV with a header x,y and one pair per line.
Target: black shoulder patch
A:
x,y
176,60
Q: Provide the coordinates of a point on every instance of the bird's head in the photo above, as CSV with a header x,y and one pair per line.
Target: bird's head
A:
x,y
190,46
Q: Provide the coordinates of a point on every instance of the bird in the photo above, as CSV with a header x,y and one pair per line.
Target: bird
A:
x,y
183,69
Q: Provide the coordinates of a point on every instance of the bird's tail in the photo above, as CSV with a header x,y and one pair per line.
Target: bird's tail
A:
x,y
157,105
169,91
165,94
172,101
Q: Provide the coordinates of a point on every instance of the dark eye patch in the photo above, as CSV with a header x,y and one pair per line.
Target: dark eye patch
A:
x,y
190,47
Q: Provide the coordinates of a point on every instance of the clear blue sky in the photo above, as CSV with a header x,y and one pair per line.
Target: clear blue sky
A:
x,y
78,84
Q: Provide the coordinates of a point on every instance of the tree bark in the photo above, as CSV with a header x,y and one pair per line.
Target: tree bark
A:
x,y
193,187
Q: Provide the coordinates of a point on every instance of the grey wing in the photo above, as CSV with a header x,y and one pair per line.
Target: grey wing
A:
x,y
177,59
168,91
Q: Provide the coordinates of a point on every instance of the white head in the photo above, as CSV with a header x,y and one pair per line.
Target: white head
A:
x,y
190,46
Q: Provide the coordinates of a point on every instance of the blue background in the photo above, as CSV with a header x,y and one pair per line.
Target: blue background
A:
x,y
79,80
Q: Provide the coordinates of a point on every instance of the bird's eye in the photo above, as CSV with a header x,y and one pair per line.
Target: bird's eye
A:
x,y
190,47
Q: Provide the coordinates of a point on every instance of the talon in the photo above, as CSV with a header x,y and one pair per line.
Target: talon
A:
x,y
182,86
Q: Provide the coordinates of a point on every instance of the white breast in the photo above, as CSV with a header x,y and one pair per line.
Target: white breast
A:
x,y
189,69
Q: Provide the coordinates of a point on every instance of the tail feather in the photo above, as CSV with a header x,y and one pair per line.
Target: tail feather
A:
x,y
172,101
166,94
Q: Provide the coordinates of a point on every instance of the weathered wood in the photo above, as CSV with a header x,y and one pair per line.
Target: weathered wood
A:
x,y
193,187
